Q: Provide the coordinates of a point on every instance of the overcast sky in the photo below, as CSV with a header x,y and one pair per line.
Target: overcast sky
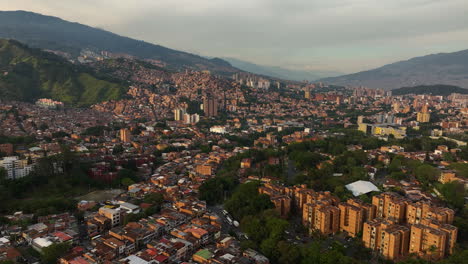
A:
x,y
342,35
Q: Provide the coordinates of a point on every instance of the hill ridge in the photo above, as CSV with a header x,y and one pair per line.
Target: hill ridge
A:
x,y
27,74
448,68
40,31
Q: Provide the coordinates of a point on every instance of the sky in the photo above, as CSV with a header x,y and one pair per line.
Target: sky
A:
x,y
335,35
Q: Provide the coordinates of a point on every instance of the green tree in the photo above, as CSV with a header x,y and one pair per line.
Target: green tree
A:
x,y
426,173
52,253
3,174
460,168
154,198
447,156
454,193
214,190
127,182
289,253
247,201
117,149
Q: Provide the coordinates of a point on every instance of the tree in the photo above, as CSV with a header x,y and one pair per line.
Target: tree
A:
x,y
214,190
117,149
397,175
289,253
127,182
3,174
154,198
54,252
247,201
395,165
127,173
426,173
447,156
311,254
454,193
268,247
461,168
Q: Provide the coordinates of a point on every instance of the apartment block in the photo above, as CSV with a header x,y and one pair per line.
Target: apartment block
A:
x,y
351,219
278,197
427,242
282,204
210,105
389,239
15,167
114,214
390,206
432,240
125,135
419,211
321,216
368,209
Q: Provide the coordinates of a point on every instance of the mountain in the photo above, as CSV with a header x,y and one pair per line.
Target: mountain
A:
x,y
27,74
440,89
47,32
442,68
278,72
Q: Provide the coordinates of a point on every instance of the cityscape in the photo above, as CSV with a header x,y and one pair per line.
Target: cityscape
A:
x,y
116,150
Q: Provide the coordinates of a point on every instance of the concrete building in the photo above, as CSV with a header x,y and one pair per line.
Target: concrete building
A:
x,y
424,116
210,106
351,219
398,132
321,216
114,214
367,209
179,114
278,197
16,168
125,135
432,240
417,212
390,206
389,239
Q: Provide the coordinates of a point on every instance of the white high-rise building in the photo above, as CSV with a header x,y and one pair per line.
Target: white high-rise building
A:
x,y
15,167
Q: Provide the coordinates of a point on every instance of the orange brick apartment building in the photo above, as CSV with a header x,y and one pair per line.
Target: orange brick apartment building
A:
x,y
392,225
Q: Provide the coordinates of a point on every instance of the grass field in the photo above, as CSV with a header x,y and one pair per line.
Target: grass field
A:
x,y
101,196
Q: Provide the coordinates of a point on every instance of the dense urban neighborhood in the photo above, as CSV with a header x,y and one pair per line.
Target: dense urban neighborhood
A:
x,y
196,168
110,155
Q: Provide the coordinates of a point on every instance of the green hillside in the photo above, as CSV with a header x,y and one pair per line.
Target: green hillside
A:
x,y
46,32
28,74
439,89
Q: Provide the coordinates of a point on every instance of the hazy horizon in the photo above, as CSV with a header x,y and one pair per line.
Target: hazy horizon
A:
x,y
335,35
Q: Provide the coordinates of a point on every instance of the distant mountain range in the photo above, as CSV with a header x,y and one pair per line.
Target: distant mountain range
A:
x,y
47,32
430,89
28,74
442,68
281,73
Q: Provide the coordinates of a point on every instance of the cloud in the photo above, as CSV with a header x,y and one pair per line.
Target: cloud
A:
x,y
344,35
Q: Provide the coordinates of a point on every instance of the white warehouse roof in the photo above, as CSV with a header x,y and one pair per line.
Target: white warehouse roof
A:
x,y
361,187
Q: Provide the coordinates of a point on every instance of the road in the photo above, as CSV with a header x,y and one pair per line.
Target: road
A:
x,y
226,227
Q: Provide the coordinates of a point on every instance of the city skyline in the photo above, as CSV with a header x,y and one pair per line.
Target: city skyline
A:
x,y
345,36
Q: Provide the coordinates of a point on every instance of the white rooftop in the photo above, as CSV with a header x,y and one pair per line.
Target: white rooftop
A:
x,y
4,240
129,206
42,242
132,259
361,187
